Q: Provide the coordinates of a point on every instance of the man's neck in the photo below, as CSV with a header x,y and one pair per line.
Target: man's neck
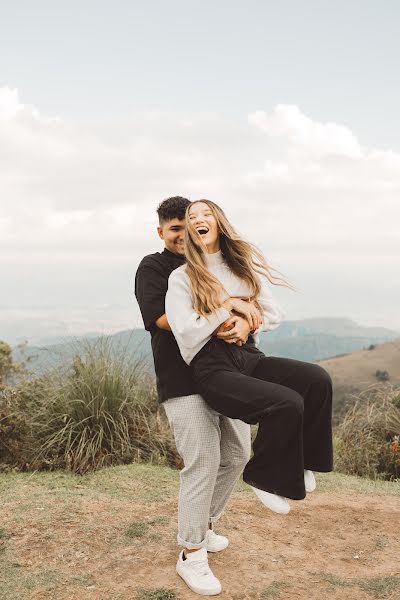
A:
x,y
167,251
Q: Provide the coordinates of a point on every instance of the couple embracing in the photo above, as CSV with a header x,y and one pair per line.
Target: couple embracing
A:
x,y
204,299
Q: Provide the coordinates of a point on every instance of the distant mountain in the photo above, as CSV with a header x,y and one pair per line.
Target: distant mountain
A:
x,y
338,327
312,340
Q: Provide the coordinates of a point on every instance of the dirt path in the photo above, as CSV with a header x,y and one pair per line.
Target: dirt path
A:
x,y
331,545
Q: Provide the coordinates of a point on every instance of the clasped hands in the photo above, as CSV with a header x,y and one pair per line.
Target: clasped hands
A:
x,y
246,318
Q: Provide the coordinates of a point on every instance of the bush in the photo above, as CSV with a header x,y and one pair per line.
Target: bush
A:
x,y
382,375
17,406
7,367
367,442
100,410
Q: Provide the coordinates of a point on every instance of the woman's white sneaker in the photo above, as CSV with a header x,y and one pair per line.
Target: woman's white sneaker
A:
x,y
215,542
309,481
196,573
276,503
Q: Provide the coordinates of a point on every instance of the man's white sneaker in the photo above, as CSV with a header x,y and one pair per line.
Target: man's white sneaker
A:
x,y
196,573
309,481
215,542
276,503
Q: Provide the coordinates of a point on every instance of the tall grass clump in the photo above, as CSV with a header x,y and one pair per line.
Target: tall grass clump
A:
x,y
368,440
98,409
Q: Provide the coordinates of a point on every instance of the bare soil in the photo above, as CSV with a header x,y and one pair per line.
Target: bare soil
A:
x,y
331,545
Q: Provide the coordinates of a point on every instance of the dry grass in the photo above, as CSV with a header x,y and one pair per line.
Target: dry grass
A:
x,y
368,440
98,409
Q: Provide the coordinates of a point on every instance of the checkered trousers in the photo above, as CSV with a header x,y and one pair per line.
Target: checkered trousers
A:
x,y
214,450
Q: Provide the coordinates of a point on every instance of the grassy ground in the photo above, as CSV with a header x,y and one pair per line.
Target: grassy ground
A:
x,y
66,537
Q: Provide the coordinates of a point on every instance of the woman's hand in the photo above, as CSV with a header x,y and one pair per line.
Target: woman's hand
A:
x,y
234,330
248,310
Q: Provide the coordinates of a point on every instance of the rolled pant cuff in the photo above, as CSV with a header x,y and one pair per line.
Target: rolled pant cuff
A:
x,y
189,545
213,519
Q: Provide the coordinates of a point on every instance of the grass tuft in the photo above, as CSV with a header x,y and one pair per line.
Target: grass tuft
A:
x,y
380,587
381,542
334,579
156,594
273,590
161,520
137,529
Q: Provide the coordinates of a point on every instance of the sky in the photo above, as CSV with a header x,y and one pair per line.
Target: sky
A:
x,y
284,113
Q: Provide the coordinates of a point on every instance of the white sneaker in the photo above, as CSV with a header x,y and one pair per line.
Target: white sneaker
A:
x,y
215,542
196,573
276,503
309,481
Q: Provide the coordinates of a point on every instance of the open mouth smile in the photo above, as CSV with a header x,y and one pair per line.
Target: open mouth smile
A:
x,y
202,230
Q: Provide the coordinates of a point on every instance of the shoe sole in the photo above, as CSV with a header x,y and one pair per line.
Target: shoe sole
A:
x,y
219,549
311,487
198,590
275,510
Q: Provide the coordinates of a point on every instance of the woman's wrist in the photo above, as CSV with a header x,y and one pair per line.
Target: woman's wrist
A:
x,y
228,304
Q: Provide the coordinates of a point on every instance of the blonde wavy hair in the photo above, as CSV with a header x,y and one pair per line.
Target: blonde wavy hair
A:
x,y
243,258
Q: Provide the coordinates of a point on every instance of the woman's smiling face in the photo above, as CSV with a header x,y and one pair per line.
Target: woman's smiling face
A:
x,y
202,219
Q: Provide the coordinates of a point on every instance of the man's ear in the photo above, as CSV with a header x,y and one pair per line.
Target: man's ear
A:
x,y
160,232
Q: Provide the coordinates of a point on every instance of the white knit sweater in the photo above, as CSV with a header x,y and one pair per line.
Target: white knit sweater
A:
x,y
191,330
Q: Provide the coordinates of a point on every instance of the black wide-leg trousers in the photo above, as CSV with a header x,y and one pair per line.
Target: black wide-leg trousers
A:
x,y
291,401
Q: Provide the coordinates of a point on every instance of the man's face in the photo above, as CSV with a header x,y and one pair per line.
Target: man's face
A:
x,y
173,233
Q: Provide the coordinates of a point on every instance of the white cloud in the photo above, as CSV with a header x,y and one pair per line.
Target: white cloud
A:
x,y
305,135
74,194
9,103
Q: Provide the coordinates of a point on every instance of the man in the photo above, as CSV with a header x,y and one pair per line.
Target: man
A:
x,y
214,448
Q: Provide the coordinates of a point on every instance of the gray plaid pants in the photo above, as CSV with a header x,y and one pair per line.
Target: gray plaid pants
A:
x,y
214,450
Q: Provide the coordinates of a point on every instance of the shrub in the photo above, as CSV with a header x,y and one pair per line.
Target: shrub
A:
x,y
17,405
367,441
7,366
382,375
100,410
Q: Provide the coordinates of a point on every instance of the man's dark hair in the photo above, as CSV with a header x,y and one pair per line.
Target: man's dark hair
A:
x,y
172,208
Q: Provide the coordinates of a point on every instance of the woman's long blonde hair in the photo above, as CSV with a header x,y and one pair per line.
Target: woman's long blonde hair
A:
x,y
243,258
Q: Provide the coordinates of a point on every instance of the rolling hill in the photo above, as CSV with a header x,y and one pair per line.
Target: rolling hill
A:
x,y
308,339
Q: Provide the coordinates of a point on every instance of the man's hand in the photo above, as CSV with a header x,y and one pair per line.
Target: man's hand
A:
x,y
234,330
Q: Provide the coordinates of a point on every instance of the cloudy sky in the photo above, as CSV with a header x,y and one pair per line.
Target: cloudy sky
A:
x,y
285,113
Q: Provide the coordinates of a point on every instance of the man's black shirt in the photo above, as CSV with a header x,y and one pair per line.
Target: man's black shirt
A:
x,y
173,375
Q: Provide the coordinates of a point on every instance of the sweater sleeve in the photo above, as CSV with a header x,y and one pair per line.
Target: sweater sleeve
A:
x,y
273,314
190,329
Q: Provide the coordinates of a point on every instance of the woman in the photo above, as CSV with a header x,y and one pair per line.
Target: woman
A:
x,y
289,399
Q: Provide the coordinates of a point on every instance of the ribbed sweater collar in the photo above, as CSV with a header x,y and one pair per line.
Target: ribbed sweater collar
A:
x,y
214,259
